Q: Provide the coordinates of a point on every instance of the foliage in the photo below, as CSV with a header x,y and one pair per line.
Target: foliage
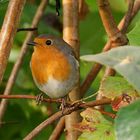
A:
x,y
123,59
26,115
119,90
127,123
95,126
113,87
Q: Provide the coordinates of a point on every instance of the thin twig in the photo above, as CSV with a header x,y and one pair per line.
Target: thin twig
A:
x,y
136,8
125,23
76,106
43,125
19,61
66,111
49,100
95,103
83,9
107,18
127,19
47,122
115,35
59,114
26,29
55,135
90,78
97,67
8,32
109,114
57,7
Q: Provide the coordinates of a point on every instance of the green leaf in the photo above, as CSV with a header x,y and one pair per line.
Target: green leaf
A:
x,y
127,123
119,90
95,127
113,87
134,35
125,60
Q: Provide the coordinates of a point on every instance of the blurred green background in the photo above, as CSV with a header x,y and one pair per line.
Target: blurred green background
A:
x,y
92,39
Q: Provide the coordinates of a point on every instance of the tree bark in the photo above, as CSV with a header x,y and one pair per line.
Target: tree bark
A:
x,y
71,36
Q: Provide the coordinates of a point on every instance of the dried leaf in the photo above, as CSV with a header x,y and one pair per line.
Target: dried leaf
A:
x,y
95,126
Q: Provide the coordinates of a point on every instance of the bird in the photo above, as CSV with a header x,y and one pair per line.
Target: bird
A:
x,y
54,66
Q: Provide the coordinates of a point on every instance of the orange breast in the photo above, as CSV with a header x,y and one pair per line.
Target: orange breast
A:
x,y
48,61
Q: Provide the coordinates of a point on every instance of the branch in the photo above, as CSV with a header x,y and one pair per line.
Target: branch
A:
x,y
127,18
83,9
58,129
124,24
19,61
71,24
133,9
97,67
90,78
49,100
8,31
26,29
115,35
136,8
71,36
59,114
43,125
69,109
107,18
109,114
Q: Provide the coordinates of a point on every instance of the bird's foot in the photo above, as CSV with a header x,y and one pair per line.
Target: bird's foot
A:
x,y
39,99
63,104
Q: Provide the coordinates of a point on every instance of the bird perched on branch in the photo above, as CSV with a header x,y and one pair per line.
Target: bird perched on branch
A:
x,y
53,66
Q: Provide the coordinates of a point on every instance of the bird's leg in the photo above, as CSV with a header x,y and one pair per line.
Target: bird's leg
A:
x,y
64,103
39,99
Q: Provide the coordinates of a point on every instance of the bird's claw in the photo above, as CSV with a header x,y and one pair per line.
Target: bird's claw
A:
x,y
63,105
39,99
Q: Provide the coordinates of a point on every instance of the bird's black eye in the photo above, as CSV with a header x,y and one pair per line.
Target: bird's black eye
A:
x,y
49,42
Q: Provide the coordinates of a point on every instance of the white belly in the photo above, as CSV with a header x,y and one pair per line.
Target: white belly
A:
x,y
55,89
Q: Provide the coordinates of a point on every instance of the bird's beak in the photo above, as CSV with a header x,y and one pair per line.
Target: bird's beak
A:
x,y
32,43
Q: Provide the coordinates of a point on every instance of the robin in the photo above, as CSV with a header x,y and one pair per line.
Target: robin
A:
x,y
53,65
